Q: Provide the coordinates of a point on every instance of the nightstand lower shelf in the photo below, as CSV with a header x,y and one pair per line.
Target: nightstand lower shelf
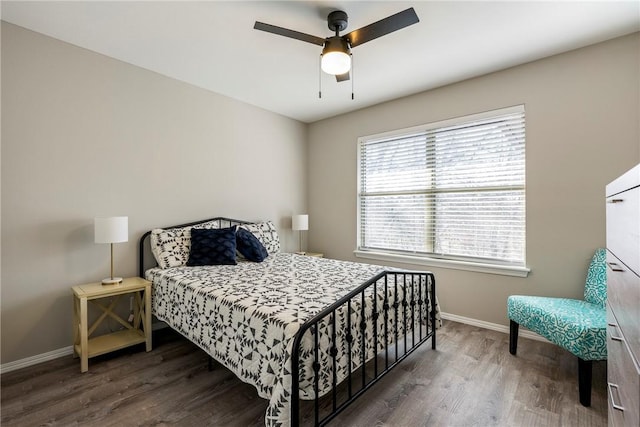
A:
x,y
113,341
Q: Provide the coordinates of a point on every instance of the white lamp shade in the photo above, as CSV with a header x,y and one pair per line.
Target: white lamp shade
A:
x,y
112,229
336,63
300,222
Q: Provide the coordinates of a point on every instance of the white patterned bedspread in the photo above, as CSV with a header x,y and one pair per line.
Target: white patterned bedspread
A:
x,y
247,315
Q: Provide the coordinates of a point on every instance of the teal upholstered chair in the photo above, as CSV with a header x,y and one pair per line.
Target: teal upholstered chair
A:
x,y
579,326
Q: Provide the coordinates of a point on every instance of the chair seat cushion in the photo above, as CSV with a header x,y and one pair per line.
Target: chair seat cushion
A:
x,y
575,325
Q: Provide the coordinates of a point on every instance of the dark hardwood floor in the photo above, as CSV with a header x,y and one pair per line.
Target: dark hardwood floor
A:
x,y
470,380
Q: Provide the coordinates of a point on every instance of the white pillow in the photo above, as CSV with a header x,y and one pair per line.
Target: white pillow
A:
x,y
171,247
267,234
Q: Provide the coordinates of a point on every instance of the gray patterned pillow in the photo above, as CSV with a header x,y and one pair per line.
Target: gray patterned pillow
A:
x,y
171,247
267,234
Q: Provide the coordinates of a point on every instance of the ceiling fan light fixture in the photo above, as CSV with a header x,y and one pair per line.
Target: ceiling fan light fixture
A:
x,y
336,58
336,63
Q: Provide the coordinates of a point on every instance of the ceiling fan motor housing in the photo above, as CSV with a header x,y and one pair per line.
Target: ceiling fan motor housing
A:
x,y
337,20
336,44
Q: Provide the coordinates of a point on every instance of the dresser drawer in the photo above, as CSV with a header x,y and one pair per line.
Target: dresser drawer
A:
x,y
623,377
623,294
623,227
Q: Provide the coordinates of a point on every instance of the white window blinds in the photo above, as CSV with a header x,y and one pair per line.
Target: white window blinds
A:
x,y
453,190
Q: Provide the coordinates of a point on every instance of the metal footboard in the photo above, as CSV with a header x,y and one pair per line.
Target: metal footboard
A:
x,y
396,310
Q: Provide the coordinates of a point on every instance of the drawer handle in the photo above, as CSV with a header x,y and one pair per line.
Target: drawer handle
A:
x,y
615,337
613,402
615,201
615,266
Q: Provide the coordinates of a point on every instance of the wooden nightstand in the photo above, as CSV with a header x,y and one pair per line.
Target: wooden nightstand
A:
x,y
136,332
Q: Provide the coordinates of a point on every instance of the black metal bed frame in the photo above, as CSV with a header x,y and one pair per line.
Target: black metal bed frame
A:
x,y
414,314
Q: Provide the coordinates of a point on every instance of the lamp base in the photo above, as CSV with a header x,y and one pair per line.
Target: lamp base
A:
x,y
112,281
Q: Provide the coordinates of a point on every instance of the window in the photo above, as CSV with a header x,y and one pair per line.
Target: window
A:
x,y
452,191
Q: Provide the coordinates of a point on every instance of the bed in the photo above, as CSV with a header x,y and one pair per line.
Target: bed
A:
x,y
295,327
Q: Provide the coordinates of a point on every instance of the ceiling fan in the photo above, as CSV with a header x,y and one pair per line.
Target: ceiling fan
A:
x,y
336,52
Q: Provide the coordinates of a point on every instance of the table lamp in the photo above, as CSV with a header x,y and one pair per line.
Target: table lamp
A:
x,y
300,223
111,230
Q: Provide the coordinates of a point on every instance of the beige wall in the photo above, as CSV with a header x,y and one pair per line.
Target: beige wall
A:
x,y
84,135
582,119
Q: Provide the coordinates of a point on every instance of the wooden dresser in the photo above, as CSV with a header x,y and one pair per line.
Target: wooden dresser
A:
x,y
623,299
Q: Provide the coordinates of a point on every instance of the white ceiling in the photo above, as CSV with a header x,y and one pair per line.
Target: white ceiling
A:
x,y
213,45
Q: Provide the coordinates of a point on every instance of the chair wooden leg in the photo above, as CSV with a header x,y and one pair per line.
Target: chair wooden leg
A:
x,y
513,336
585,368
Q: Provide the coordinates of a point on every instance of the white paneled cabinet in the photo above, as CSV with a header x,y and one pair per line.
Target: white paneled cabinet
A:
x,y
623,299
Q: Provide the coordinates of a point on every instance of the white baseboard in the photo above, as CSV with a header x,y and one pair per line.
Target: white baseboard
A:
x,y
34,360
493,326
68,351
54,354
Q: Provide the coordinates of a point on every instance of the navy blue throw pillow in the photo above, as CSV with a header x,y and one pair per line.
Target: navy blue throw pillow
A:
x,y
249,246
212,247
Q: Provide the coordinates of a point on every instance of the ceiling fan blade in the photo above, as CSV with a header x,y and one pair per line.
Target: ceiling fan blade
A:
x,y
342,77
288,33
382,27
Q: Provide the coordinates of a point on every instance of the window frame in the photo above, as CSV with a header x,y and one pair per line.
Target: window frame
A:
x,y
452,262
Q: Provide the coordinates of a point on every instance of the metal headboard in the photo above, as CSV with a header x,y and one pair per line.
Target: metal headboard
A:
x,y
146,259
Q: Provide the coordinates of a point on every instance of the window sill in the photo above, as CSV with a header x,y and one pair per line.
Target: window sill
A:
x,y
456,265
